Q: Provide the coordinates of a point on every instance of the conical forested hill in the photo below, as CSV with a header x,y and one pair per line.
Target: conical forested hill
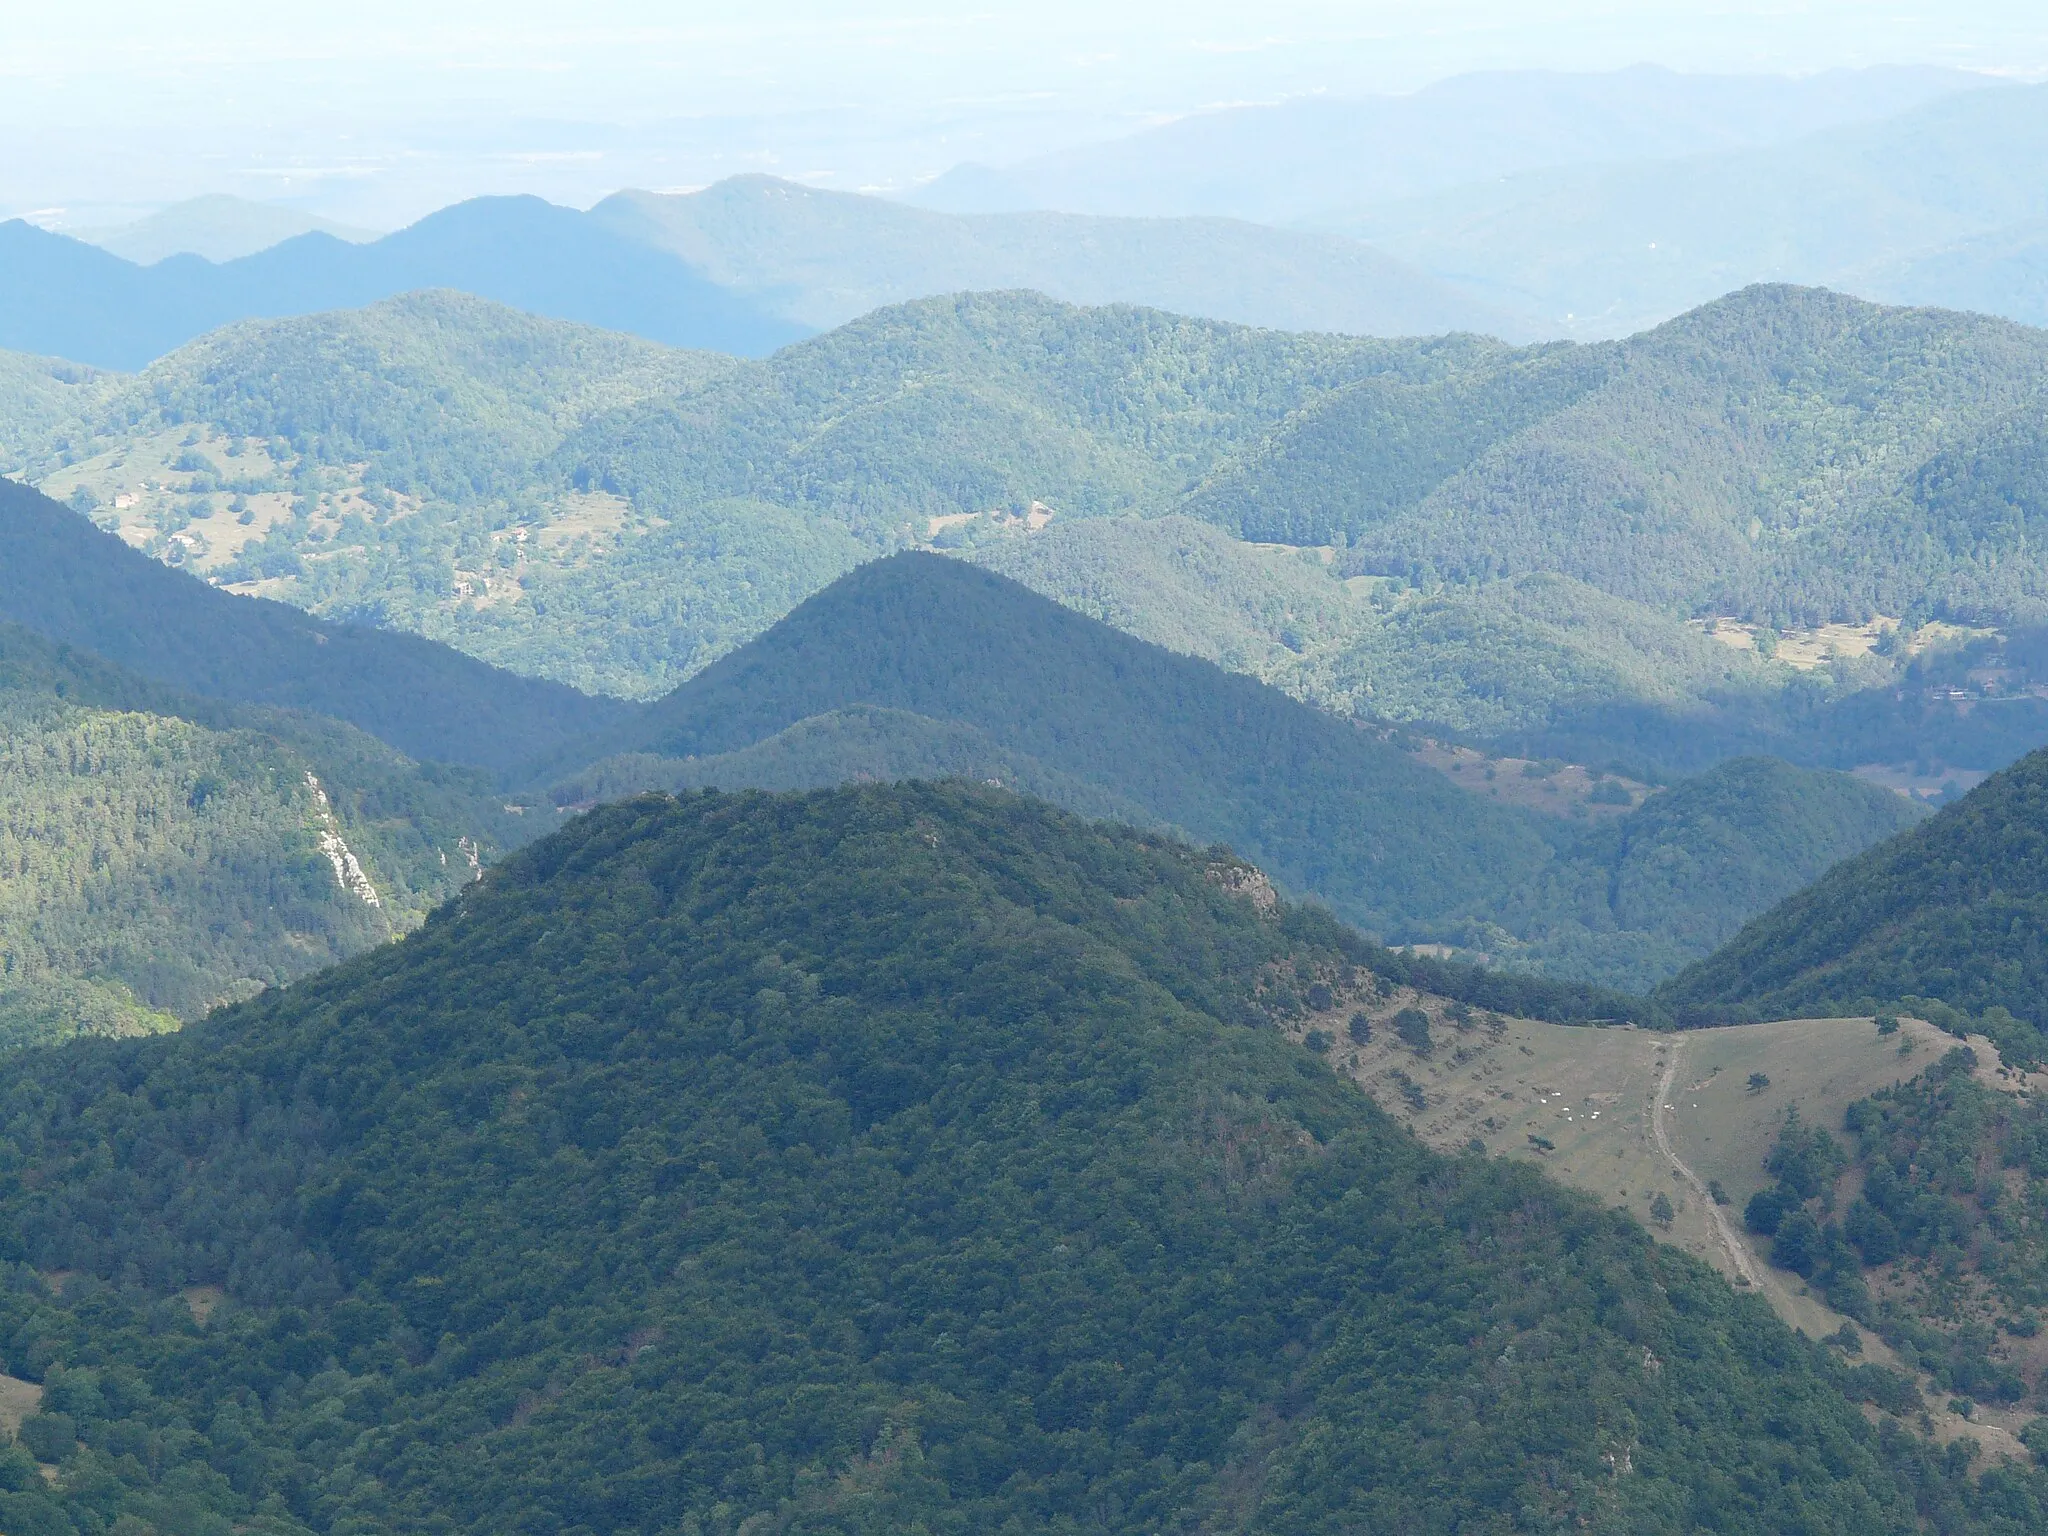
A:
x,y
885,1159
1955,910
1324,805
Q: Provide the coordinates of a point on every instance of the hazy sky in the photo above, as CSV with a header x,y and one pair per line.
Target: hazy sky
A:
x,y
378,110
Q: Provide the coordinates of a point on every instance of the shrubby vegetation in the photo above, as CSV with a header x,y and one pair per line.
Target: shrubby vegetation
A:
x,y
1941,1247
879,1159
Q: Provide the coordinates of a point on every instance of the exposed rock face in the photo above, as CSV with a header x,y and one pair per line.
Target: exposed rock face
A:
x,y
1243,880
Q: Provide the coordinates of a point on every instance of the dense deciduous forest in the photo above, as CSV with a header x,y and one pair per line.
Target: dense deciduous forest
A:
x,y
1536,524
917,1156
671,1181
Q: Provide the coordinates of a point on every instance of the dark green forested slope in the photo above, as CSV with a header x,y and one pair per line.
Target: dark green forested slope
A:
x,y
64,578
1954,911
876,1160
1322,805
1634,900
1370,451
167,852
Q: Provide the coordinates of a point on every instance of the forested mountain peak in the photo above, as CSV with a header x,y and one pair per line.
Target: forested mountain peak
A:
x,y
865,1160
975,401
1785,330
919,666
1078,352
1324,805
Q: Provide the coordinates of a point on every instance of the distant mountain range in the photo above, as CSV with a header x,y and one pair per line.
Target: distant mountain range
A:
x,y
217,227
61,297
823,258
1300,160
1940,204
1597,205
1521,206
743,268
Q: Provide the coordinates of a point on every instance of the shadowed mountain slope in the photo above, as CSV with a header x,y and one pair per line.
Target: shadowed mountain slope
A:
x,y
1322,805
1633,901
919,666
64,578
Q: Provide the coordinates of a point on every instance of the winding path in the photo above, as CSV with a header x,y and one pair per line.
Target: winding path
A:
x,y
1737,1250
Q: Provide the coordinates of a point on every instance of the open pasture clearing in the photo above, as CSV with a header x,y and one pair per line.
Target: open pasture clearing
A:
x,y
1628,1115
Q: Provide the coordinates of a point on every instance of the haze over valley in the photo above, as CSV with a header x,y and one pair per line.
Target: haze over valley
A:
x,y
825,772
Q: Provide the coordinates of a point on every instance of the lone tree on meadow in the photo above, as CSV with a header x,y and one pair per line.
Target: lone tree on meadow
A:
x,y
1412,1025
